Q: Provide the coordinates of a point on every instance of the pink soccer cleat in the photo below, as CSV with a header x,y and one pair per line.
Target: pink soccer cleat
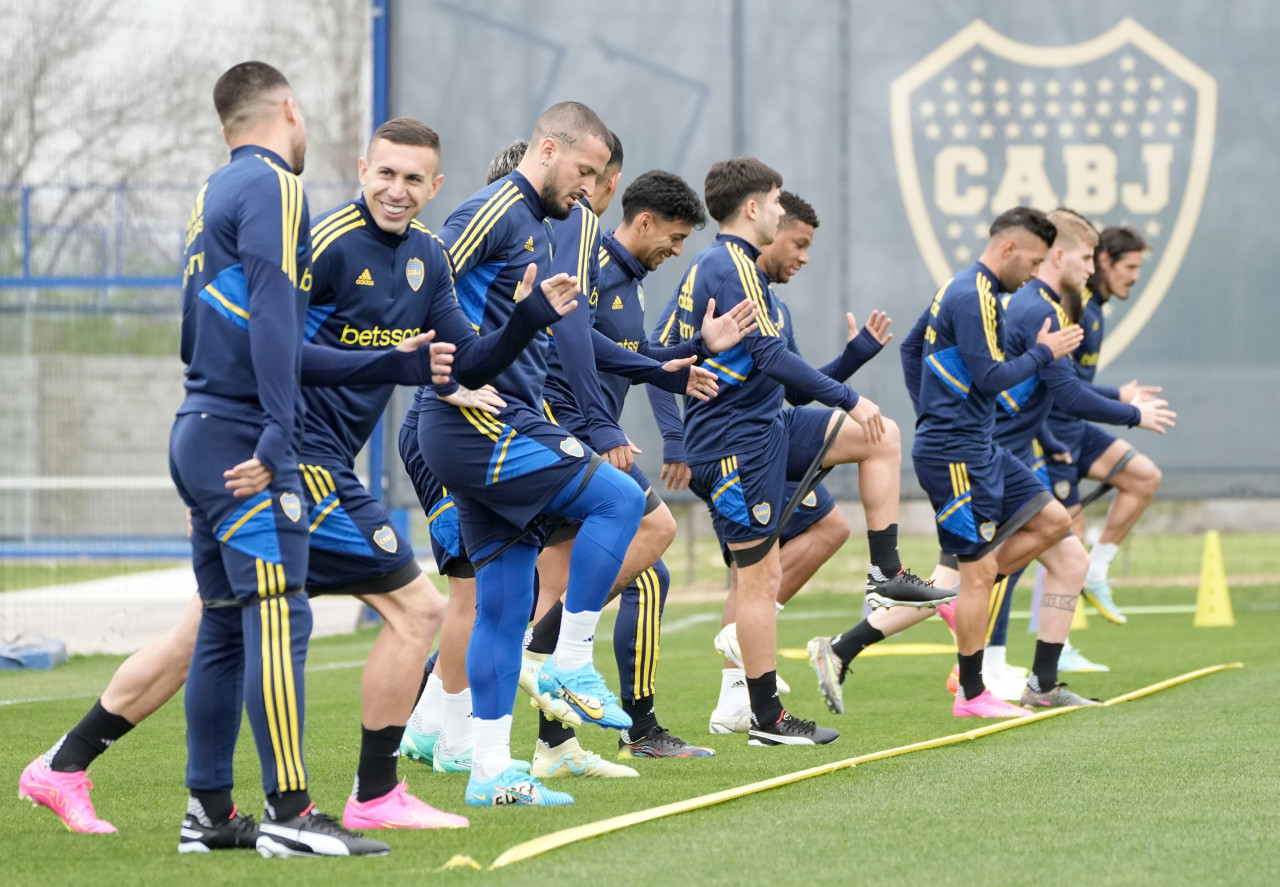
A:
x,y
986,705
948,614
66,794
398,809
953,680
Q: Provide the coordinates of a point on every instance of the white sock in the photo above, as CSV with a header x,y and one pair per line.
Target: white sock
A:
x,y
1100,561
733,690
428,713
491,749
993,658
577,636
456,722
779,607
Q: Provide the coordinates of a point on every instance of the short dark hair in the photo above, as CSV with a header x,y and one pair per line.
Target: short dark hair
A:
x,y
615,151
1116,240
666,196
240,87
730,182
407,131
797,209
1028,219
569,121
506,160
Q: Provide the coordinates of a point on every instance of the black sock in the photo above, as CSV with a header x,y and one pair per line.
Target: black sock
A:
x,y
855,640
88,739
643,717
552,732
286,805
546,631
426,676
1045,666
884,550
376,773
218,806
766,708
971,675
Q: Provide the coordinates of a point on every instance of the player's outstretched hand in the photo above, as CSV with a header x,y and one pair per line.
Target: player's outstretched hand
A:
x,y
868,415
877,327
1132,391
247,479
1156,415
676,475
702,383
559,290
485,399
1062,342
723,332
620,457
441,354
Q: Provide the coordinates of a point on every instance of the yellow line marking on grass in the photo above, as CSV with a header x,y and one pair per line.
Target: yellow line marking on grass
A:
x,y
555,840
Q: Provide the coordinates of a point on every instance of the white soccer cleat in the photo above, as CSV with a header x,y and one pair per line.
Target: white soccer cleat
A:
x,y
726,644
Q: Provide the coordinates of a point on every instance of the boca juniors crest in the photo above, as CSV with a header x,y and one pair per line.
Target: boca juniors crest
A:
x,y
414,271
1119,128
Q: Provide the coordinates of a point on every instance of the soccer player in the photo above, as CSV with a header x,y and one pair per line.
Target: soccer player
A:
x,y
355,549
659,212
232,456
743,447
817,529
505,471
992,512
1095,453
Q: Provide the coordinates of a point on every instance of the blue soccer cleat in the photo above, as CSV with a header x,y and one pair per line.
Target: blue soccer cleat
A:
x,y
585,691
513,787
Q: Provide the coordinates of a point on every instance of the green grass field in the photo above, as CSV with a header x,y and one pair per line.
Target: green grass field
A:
x,y
1176,788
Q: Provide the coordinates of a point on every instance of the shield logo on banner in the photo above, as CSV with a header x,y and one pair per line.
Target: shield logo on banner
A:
x,y
414,271
1119,128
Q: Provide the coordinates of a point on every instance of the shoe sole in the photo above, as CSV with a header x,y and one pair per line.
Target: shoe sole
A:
x,y
880,601
1113,616
766,740
835,702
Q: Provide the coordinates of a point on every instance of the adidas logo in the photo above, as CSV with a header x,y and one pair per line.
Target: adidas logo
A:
x,y
365,278
617,303
528,244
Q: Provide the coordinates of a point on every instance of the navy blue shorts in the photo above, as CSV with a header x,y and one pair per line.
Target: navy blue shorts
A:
x,y
501,470
746,492
437,505
1092,445
242,549
1065,479
568,417
1032,456
813,508
971,502
354,547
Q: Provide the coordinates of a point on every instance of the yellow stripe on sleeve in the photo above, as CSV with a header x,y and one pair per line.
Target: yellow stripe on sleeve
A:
x,y
319,246
337,220
751,286
990,318
482,223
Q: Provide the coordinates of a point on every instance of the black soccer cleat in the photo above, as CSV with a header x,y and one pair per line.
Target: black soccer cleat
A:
x,y
790,731
906,590
658,742
199,835
314,834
